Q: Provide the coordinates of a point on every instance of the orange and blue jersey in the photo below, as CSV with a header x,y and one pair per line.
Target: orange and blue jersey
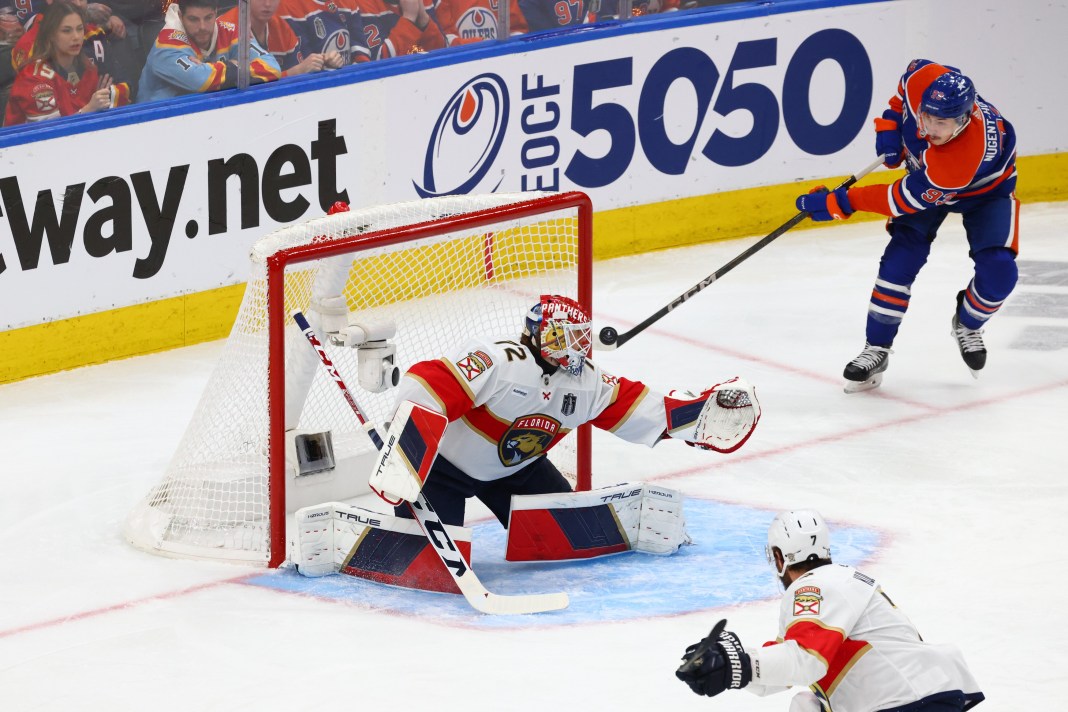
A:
x,y
554,14
281,41
389,34
978,163
176,66
327,26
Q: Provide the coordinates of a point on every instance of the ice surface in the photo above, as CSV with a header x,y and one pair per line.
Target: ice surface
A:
x,y
951,491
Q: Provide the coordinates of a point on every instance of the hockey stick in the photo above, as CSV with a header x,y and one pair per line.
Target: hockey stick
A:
x,y
609,338
476,594
693,660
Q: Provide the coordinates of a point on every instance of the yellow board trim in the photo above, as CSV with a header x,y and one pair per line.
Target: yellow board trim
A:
x,y
206,316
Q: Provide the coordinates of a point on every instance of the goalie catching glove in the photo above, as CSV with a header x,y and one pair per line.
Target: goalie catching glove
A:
x,y
721,418
717,663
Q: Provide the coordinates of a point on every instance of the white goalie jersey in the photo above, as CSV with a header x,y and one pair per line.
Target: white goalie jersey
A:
x,y
842,636
504,412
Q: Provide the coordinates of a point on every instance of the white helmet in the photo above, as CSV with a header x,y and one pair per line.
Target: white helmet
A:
x,y
799,535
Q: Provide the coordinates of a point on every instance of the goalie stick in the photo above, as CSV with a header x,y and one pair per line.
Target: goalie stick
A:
x,y
610,338
470,586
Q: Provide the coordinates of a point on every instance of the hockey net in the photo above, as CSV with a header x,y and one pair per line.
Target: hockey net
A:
x,y
441,269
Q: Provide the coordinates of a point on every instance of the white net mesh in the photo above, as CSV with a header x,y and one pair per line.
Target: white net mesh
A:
x,y
214,499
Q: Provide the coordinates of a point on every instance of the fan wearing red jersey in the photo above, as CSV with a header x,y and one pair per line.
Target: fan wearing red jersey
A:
x,y
104,44
60,81
960,157
507,403
839,634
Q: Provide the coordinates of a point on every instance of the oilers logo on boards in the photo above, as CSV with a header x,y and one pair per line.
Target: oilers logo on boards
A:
x,y
466,139
527,437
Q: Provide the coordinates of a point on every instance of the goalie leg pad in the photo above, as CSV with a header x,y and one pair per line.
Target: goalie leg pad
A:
x,y
341,538
584,525
411,445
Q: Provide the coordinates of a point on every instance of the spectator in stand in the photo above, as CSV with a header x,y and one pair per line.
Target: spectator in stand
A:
x,y
331,28
399,27
195,52
59,80
10,31
470,21
105,44
277,37
142,21
552,15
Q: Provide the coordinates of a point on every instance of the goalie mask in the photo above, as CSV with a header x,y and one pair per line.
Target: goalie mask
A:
x,y
560,328
800,535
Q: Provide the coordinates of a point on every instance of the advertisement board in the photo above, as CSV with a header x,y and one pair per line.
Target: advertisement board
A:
x,y
645,117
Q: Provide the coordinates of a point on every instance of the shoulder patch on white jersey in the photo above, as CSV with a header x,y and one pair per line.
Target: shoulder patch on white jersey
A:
x,y
807,601
474,364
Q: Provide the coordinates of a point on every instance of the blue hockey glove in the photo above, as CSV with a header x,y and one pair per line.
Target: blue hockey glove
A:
x,y
822,205
888,141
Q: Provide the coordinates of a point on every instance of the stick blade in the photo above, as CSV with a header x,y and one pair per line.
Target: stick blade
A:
x,y
497,604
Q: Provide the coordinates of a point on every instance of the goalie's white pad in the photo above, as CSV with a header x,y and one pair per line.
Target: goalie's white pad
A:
x,y
341,538
326,533
583,525
407,454
722,418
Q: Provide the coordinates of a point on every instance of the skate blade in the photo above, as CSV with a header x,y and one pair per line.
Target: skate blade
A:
x,y
858,386
975,374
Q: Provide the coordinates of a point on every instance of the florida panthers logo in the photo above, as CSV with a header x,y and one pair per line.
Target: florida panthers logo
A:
x,y
807,601
466,140
528,437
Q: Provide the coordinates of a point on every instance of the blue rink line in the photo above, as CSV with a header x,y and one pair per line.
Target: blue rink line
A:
x,y
724,567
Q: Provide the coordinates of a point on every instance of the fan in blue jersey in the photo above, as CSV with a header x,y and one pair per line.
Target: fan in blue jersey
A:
x,y
960,156
196,52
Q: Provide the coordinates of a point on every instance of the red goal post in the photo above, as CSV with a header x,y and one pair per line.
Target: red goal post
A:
x,y
440,269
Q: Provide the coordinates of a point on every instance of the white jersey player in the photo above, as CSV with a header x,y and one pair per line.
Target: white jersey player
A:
x,y
839,634
509,402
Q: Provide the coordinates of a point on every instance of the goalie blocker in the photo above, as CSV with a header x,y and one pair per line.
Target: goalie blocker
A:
x,y
584,525
408,453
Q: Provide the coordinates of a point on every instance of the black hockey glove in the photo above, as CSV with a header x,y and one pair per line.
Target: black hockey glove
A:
x,y
717,663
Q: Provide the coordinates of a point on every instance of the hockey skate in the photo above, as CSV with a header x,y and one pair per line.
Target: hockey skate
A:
x,y
866,370
969,341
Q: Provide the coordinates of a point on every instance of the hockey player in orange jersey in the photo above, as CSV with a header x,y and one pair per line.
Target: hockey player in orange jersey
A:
x,y
960,154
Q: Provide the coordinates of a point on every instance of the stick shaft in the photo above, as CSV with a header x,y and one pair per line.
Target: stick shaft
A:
x,y
753,249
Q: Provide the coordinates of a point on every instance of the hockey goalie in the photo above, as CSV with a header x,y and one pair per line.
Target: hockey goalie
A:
x,y
478,422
